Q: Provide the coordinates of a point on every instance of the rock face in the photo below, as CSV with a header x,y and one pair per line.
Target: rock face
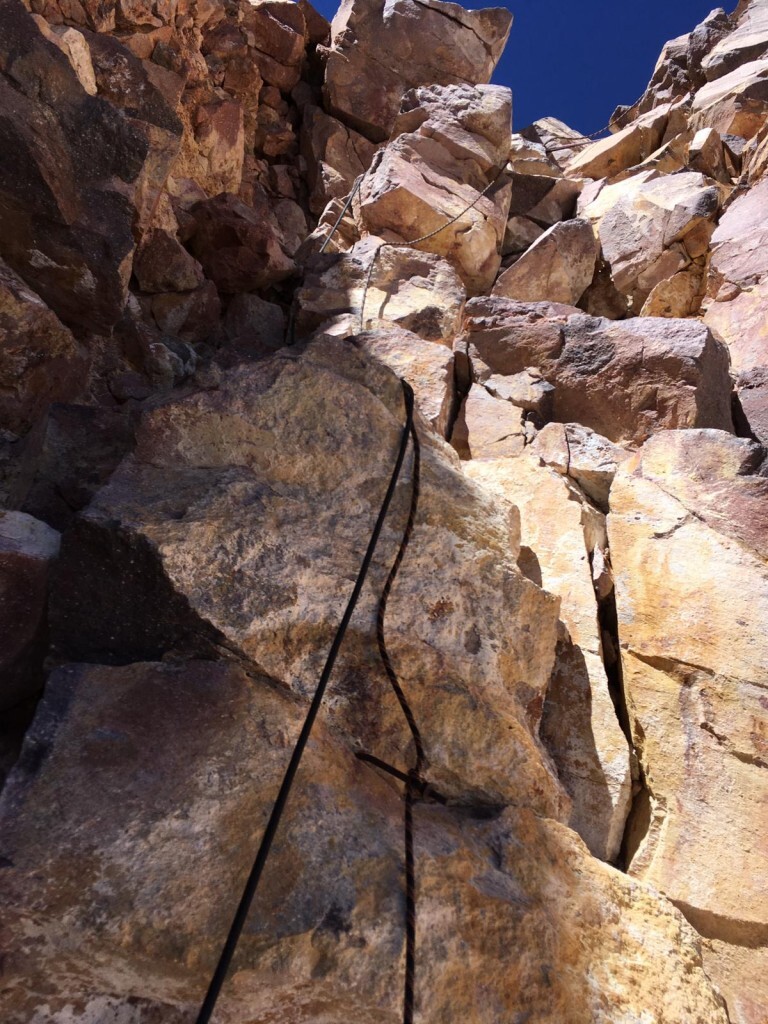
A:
x,y
649,374
200,412
440,176
412,44
695,681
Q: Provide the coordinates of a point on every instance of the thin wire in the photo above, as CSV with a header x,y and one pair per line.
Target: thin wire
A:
x,y
587,140
342,215
236,928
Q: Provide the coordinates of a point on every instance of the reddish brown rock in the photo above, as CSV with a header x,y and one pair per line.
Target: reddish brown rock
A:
x,y
625,380
487,427
241,248
753,395
66,207
190,316
378,52
27,550
335,156
162,264
40,361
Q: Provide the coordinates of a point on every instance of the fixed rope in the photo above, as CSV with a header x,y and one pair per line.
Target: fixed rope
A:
x,y
422,238
252,883
587,140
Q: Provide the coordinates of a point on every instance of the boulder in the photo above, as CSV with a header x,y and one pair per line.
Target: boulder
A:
x,y
753,396
66,206
559,141
40,361
655,232
379,51
748,41
253,323
427,367
624,380
415,290
706,154
335,154
587,458
27,550
561,533
628,147
144,774
246,490
241,248
736,104
487,427
442,173
689,540
162,264
558,267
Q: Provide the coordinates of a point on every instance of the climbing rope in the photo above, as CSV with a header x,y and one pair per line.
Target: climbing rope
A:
x,y
587,140
251,885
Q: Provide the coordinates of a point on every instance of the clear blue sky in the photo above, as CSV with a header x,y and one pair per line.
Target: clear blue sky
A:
x,y
578,59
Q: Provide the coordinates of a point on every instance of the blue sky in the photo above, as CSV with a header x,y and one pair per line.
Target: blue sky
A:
x,y
578,59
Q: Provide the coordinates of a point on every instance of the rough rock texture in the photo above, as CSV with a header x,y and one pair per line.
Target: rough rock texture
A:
x,y
558,267
415,290
27,550
450,145
623,380
186,395
411,43
579,725
689,541
325,941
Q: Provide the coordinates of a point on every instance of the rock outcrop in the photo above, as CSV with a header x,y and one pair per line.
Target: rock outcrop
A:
x,y
228,233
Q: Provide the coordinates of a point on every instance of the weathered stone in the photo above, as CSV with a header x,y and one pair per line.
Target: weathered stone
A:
x,y
631,145
445,164
40,361
589,459
278,29
335,156
27,550
655,232
736,104
241,248
189,316
487,427
380,51
74,46
748,41
519,234
677,296
68,456
428,368
228,471
689,540
527,390
527,157
558,267
560,142
706,155
625,380
65,210
162,264
579,726
250,321
415,290
753,395
128,747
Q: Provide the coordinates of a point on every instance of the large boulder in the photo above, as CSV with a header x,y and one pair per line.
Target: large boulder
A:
x,y
380,50
441,176
689,540
558,267
335,156
134,810
230,529
658,230
736,104
624,379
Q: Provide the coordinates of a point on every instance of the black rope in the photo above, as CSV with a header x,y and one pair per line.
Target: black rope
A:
x,y
414,783
236,928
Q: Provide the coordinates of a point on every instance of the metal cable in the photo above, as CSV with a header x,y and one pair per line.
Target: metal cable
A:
x,y
236,928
